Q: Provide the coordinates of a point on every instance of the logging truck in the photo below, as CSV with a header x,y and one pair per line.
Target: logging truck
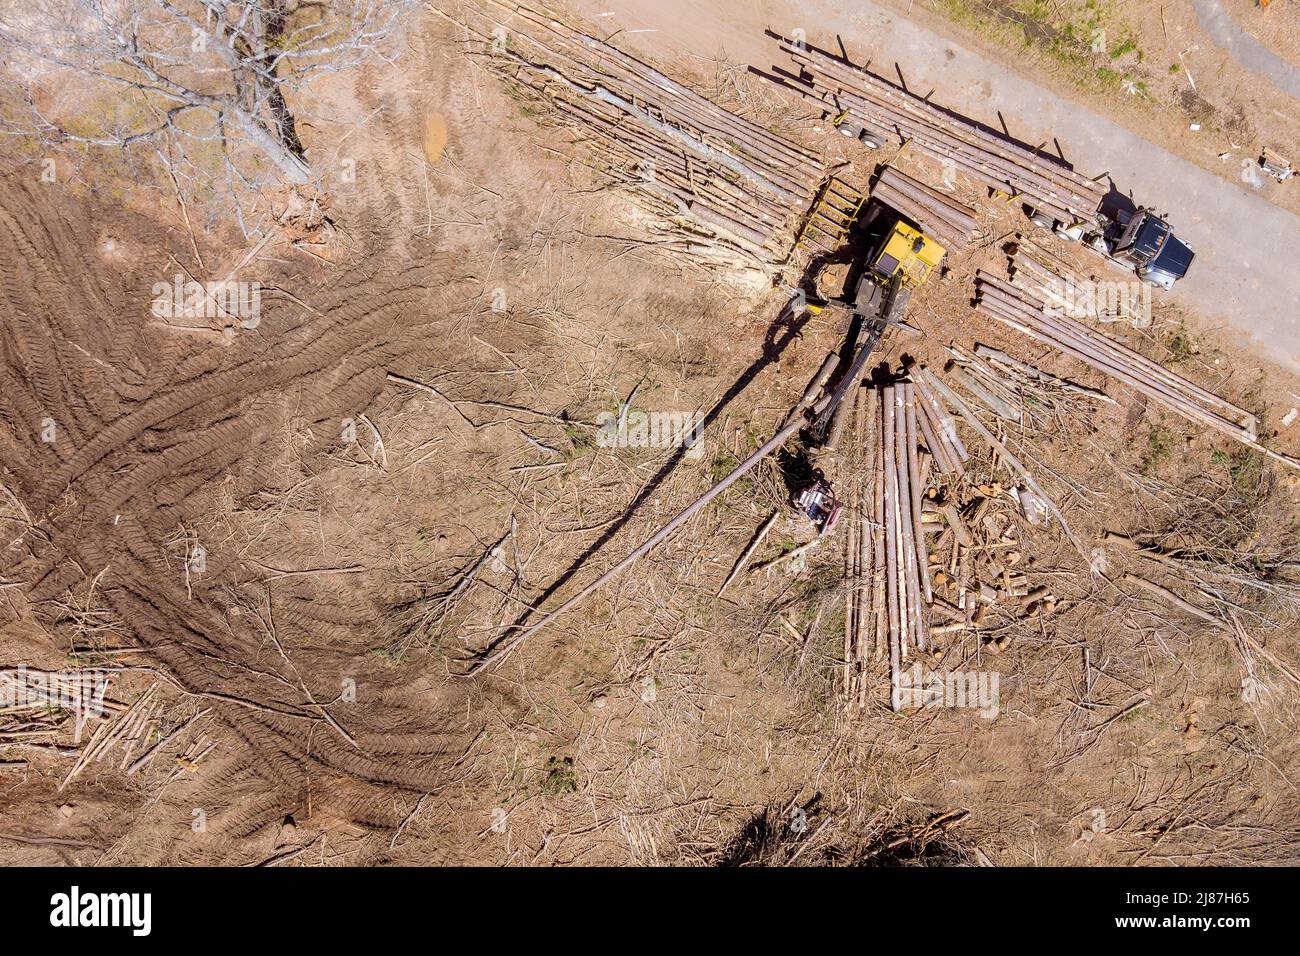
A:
x,y
1135,239
1138,240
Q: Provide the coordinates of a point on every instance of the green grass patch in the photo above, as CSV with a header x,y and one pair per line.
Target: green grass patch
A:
x,y
559,777
1160,446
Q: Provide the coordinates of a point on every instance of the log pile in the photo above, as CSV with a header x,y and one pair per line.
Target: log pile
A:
x,y
684,155
888,559
950,223
1028,314
1037,270
891,113
1016,391
904,558
939,431
1048,277
924,558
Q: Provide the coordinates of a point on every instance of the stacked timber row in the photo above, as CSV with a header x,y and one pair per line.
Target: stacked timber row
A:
x,y
909,434
891,113
1040,279
941,217
1028,314
906,561
686,155
1035,268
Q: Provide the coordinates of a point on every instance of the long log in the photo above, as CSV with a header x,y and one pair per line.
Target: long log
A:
x,y
893,553
795,421
1006,174
1054,186
889,96
914,482
1095,352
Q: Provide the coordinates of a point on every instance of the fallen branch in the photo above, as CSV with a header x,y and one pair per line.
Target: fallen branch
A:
x,y
748,553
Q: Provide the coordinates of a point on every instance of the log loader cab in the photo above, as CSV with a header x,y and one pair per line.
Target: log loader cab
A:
x,y
899,258
890,257
907,253
885,251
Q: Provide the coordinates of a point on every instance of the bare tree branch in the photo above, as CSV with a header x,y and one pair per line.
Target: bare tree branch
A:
x,y
207,85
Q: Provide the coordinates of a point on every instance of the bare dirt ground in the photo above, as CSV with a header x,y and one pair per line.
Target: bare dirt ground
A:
x,y
478,254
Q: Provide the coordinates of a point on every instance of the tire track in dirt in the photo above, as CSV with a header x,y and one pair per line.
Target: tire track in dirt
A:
x,y
147,428
386,173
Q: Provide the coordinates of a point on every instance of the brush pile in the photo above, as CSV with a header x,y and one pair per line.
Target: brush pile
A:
x,y
686,156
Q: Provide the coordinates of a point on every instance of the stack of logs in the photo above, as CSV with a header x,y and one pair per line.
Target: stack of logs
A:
x,y
683,153
925,556
941,217
1034,268
1026,313
893,114
1014,390
1047,277
887,553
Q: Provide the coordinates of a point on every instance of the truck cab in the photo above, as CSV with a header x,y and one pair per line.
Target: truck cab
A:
x,y
1147,243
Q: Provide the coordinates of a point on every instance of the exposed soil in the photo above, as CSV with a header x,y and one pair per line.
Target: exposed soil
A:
x,y
1273,24
476,253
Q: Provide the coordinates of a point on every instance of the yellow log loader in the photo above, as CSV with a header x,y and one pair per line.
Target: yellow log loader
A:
x,y
889,258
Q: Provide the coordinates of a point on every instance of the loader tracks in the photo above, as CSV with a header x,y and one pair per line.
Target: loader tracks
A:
x,y
113,432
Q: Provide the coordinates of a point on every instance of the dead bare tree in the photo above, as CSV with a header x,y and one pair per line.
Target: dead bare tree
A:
x,y
206,85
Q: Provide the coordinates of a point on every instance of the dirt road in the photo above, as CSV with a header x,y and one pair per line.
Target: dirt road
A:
x,y
1245,272
1245,49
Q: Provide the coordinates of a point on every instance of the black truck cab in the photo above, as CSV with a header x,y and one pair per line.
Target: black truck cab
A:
x,y
1145,241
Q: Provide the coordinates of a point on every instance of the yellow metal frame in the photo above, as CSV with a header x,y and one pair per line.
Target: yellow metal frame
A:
x,y
832,215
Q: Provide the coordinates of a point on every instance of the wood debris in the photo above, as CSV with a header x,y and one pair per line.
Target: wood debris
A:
x,y
128,728
38,702
923,558
680,152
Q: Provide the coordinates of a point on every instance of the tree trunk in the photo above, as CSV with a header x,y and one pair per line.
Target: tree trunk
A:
x,y
292,167
285,127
